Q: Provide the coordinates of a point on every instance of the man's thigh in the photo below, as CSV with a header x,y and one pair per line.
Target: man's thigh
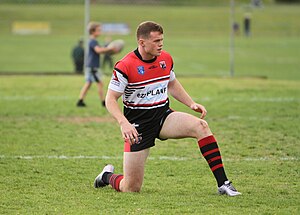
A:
x,y
133,170
182,125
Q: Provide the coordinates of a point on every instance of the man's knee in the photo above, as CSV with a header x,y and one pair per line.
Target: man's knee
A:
x,y
201,129
203,124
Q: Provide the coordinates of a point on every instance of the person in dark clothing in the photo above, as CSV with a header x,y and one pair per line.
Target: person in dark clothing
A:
x,y
247,21
78,57
236,28
257,3
107,58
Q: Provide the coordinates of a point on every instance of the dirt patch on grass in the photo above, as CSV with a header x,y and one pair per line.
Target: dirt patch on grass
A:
x,y
80,120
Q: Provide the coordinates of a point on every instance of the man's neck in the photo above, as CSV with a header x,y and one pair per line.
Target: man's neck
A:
x,y
144,55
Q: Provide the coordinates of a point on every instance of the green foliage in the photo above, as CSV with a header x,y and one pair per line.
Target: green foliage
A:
x,y
48,2
144,2
288,1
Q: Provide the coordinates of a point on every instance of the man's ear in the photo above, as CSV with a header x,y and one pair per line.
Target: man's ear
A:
x,y
141,42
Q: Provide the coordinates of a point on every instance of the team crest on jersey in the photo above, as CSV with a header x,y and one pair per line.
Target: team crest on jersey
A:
x,y
141,70
163,64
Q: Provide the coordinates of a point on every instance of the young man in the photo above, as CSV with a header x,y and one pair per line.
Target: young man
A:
x,y
144,78
93,73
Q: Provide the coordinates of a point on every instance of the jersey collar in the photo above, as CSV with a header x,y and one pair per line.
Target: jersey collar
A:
x,y
136,52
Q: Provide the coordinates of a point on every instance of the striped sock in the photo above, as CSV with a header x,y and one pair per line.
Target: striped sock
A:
x,y
210,151
115,180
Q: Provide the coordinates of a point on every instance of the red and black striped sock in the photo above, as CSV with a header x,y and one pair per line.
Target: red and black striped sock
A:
x,y
210,150
115,180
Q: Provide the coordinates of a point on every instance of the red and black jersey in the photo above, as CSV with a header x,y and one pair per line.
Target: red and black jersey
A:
x,y
144,85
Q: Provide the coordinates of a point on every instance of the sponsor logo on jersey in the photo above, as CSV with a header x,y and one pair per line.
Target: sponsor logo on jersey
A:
x,y
163,64
152,93
141,70
153,67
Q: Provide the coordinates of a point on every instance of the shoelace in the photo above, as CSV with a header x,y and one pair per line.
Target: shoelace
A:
x,y
231,187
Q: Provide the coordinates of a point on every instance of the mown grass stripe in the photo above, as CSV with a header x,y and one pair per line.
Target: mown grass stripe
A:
x,y
171,158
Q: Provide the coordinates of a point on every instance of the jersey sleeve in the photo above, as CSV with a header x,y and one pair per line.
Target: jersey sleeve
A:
x,y
172,73
119,79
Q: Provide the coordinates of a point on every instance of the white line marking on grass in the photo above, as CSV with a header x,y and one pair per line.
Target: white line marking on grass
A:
x,y
253,99
170,158
30,98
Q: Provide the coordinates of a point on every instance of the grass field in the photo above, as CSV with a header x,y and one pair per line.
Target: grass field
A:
x,y
255,121
51,151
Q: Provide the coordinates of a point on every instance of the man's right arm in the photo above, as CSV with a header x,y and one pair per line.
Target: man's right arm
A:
x,y
102,50
129,132
98,49
112,105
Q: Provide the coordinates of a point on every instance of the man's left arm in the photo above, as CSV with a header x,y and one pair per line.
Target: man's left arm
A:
x,y
178,92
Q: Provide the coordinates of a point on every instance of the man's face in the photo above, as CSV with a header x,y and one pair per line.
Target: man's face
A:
x,y
153,45
97,31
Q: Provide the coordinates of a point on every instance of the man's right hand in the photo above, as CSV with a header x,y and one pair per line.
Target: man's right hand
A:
x,y
129,132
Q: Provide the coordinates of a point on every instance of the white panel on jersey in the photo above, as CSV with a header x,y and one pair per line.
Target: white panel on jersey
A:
x,y
172,75
118,83
146,96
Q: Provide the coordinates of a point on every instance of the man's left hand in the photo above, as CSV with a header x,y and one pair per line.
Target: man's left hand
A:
x,y
199,108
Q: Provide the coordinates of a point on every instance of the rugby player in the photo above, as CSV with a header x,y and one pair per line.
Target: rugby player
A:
x,y
144,78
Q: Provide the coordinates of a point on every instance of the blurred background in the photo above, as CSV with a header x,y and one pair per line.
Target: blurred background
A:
x,y
38,36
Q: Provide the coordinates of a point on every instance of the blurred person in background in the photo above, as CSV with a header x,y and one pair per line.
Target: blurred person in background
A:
x,y
78,57
236,28
257,3
107,58
247,24
93,72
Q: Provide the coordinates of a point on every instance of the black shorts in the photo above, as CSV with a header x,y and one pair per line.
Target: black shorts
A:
x,y
148,133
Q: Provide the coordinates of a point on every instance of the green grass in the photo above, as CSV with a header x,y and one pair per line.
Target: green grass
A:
x,y
252,119
197,38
